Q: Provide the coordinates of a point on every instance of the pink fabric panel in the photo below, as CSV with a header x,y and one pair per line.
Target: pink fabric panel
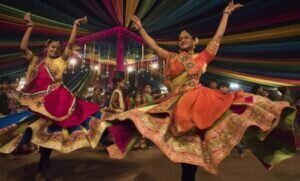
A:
x,y
108,33
41,81
109,7
83,110
249,99
118,7
58,102
122,134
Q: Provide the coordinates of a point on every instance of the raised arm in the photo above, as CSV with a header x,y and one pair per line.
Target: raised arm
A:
x,y
72,38
162,53
226,13
213,45
24,43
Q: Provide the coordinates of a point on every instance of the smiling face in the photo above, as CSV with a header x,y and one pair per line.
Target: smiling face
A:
x,y
186,41
54,49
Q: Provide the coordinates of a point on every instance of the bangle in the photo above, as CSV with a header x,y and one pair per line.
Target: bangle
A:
x,y
29,25
226,12
138,29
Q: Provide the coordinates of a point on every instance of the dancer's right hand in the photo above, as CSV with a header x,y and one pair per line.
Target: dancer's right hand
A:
x,y
81,21
136,22
27,19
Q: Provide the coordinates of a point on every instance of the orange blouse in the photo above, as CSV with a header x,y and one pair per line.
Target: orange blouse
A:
x,y
198,106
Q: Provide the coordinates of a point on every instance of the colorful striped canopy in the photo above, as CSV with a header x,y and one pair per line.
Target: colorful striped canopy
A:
x,y
261,44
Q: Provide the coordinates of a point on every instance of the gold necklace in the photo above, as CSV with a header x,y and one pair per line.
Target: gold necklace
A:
x,y
191,52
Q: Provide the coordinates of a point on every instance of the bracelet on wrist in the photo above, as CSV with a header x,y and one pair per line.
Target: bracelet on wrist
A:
x,y
137,29
29,25
77,23
226,12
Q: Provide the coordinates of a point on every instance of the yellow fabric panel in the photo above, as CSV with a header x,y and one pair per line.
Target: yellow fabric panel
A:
x,y
131,6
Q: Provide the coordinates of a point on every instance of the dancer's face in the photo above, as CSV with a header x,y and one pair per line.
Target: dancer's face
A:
x,y
186,41
54,49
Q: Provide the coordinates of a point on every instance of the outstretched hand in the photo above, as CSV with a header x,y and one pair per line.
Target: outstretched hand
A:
x,y
232,7
27,18
81,20
136,22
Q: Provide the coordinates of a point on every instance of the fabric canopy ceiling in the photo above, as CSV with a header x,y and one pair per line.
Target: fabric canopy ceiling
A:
x,y
261,44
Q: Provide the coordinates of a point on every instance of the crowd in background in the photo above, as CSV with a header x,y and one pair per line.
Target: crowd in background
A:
x,y
136,98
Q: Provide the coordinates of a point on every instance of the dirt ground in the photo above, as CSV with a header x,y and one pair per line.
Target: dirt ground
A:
x,y
142,165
